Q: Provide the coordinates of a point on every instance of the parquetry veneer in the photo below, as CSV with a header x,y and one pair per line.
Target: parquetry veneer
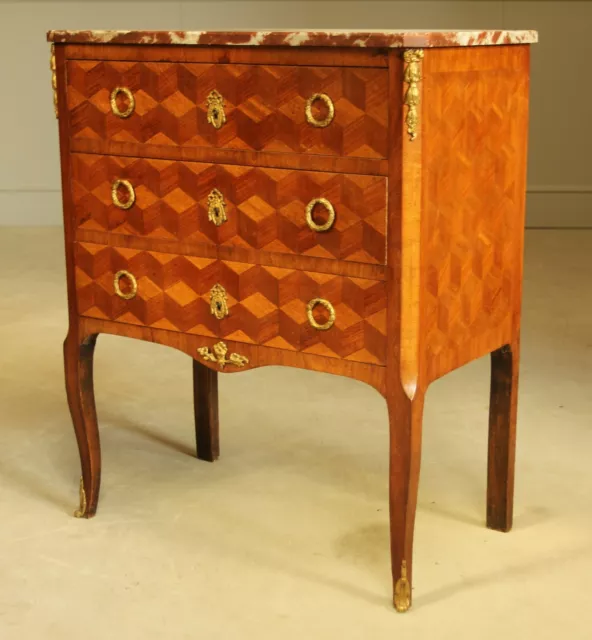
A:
x,y
347,202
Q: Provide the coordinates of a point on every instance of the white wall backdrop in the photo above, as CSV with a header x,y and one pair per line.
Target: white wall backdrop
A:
x,y
560,181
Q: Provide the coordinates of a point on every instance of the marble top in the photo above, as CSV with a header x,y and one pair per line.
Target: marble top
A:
x,y
302,38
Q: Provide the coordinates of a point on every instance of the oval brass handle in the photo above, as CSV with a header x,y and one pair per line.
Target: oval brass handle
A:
x,y
130,98
117,184
330,210
323,97
325,303
134,284
216,113
216,208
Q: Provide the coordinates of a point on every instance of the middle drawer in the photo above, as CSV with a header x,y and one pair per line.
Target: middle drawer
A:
x,y
311,213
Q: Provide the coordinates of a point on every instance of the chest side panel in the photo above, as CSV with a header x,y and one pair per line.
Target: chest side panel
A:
x,y
475,118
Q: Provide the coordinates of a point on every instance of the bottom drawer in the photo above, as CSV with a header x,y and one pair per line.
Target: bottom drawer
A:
x,y
242,302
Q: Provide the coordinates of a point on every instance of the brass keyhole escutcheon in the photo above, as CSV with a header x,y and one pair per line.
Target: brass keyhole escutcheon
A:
x,y
216,113
218,302
329,106
131,194
330,215
216,208
131,102
328,306
132,281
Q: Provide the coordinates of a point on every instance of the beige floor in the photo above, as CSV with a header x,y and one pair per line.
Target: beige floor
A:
x,y
286,536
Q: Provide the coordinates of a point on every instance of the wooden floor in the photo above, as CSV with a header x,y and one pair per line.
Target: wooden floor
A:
x,y
286,535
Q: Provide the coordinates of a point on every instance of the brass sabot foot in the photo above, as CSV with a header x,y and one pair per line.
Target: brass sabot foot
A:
x,y
81,511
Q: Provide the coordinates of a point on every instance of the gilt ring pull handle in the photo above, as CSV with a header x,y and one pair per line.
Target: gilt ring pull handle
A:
x,y
330,308
132,280
216,113
130,99
330,219
326,121
115,196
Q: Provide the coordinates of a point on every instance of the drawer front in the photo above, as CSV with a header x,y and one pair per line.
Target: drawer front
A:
x,y
262,108
240,302
235,206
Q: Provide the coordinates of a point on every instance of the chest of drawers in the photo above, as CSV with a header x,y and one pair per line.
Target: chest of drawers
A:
x,y
343,202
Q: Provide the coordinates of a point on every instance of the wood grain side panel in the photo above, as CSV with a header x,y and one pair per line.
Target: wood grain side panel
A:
x,y
236,254
396,207
264,106
306,56
265,208
267,305
474,170
64,154
309,162
410,239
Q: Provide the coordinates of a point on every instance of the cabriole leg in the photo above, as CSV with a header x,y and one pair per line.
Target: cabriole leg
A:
x,y
78,364
405,417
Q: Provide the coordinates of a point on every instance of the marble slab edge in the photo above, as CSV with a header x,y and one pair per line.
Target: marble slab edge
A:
x,y
339,38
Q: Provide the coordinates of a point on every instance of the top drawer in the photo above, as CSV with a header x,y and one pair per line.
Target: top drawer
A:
x,y
337,111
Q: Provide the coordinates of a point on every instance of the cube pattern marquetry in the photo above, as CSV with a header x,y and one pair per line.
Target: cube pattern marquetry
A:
x,y
473,204
264,106
267,305
265,208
